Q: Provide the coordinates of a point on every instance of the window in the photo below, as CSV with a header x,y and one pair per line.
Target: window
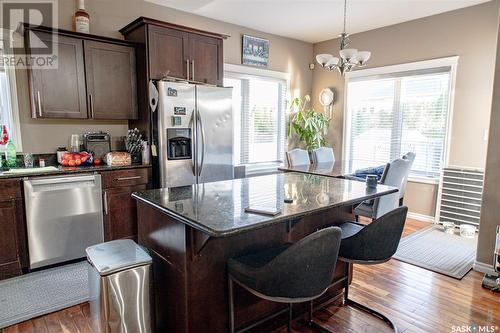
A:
x,y
8,104
259,107
390,114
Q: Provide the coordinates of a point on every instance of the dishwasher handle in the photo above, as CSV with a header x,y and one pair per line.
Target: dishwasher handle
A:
x,y
62,180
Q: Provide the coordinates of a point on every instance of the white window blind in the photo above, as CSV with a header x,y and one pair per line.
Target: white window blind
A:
x,y
259,117
8,104
389,115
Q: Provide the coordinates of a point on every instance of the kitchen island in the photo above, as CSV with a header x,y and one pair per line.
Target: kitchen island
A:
x,y
192,231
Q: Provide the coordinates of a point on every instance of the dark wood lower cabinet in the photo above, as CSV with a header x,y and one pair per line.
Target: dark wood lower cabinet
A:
x,y
13,252
120,215
120,212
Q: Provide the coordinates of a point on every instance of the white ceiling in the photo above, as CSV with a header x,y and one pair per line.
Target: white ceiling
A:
x,y
315,20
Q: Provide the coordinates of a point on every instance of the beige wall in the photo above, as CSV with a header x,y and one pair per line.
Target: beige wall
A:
x,y
491,193
469,33
108,16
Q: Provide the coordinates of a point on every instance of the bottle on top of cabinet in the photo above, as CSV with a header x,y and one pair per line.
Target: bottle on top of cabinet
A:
x,y
82,18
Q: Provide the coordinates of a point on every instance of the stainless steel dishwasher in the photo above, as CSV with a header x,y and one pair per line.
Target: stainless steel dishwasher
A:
x,y
63,216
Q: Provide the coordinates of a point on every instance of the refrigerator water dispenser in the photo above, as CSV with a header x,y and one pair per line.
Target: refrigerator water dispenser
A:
x,y
179,143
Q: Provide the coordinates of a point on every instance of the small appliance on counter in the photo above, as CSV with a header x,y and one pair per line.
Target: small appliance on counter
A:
x,y
98,143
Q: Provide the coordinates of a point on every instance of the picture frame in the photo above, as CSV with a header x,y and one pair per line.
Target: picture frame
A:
x,y
255,51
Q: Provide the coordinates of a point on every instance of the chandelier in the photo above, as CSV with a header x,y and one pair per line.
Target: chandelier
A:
x,y
349,58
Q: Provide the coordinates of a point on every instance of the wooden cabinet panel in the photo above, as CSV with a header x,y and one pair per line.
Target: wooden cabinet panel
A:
x,y
60,92
111,80
8,244
205,54
13,249
127,177
168,51
120,212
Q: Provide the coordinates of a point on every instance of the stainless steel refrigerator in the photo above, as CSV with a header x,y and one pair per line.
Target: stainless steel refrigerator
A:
x,y
195,133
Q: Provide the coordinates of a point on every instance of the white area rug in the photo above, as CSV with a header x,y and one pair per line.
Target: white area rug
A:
x,y
433,249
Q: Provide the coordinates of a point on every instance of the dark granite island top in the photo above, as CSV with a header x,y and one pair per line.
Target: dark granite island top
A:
x,y
218,208
192,231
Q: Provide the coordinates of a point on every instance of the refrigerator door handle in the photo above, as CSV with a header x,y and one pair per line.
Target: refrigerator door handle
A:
x,y
202,143
194,126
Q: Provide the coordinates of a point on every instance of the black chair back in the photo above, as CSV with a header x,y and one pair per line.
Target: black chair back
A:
x,y
305,269
378,241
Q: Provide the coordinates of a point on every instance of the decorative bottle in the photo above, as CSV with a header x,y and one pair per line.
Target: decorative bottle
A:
x,y
82,18
10,154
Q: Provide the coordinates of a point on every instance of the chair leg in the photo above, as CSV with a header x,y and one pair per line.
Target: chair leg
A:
x,y
231,305
312,323
362,307
290,318
375,313
401,202
347,273
357,218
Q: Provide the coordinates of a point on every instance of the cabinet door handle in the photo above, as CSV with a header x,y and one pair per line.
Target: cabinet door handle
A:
x,y
187,68
39,103
192,69
105,202
128,178
91,106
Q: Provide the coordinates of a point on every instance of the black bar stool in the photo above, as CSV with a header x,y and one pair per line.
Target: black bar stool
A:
x,y
291,273
374,243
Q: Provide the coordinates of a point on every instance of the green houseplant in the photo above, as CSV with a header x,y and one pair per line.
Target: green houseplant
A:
x,y
309,125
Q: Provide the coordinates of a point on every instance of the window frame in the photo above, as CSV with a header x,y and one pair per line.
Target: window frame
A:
x,y
232,70
451,62
14,101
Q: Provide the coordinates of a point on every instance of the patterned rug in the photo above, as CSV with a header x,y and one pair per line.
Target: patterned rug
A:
x,y
35,294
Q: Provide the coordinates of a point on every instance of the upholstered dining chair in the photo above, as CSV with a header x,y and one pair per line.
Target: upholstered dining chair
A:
x,y
374,243
323,155
290,273
396,175
297,157
410,156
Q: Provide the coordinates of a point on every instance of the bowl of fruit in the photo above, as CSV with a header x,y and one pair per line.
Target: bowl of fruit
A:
x,y
76,159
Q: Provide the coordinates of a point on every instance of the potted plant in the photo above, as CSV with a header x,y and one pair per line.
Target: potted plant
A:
x,y
309,125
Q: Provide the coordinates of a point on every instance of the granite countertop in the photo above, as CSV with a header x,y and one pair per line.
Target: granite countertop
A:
x,y
218,208
325,169
69,170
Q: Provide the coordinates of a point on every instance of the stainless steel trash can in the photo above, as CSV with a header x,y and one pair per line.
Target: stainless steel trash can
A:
x,y
119,278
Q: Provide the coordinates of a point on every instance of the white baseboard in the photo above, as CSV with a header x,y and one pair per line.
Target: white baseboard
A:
x,y
484,268
421,217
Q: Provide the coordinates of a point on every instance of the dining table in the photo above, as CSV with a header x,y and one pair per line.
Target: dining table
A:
x,y
324,169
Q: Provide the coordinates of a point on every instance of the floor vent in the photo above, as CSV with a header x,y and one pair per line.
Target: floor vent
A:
x,y
460,196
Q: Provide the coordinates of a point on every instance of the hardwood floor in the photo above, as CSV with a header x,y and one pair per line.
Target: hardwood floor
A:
x,y
417,299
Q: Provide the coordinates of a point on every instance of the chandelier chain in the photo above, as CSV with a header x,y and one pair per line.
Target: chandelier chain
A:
x,y
345,13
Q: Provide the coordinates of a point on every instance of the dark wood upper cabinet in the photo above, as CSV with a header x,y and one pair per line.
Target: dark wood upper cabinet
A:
x,y
177,51
168,53
111,80
95,77
60,92
205,55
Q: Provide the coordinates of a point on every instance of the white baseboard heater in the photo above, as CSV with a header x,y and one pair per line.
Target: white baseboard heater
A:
x,y
460,196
